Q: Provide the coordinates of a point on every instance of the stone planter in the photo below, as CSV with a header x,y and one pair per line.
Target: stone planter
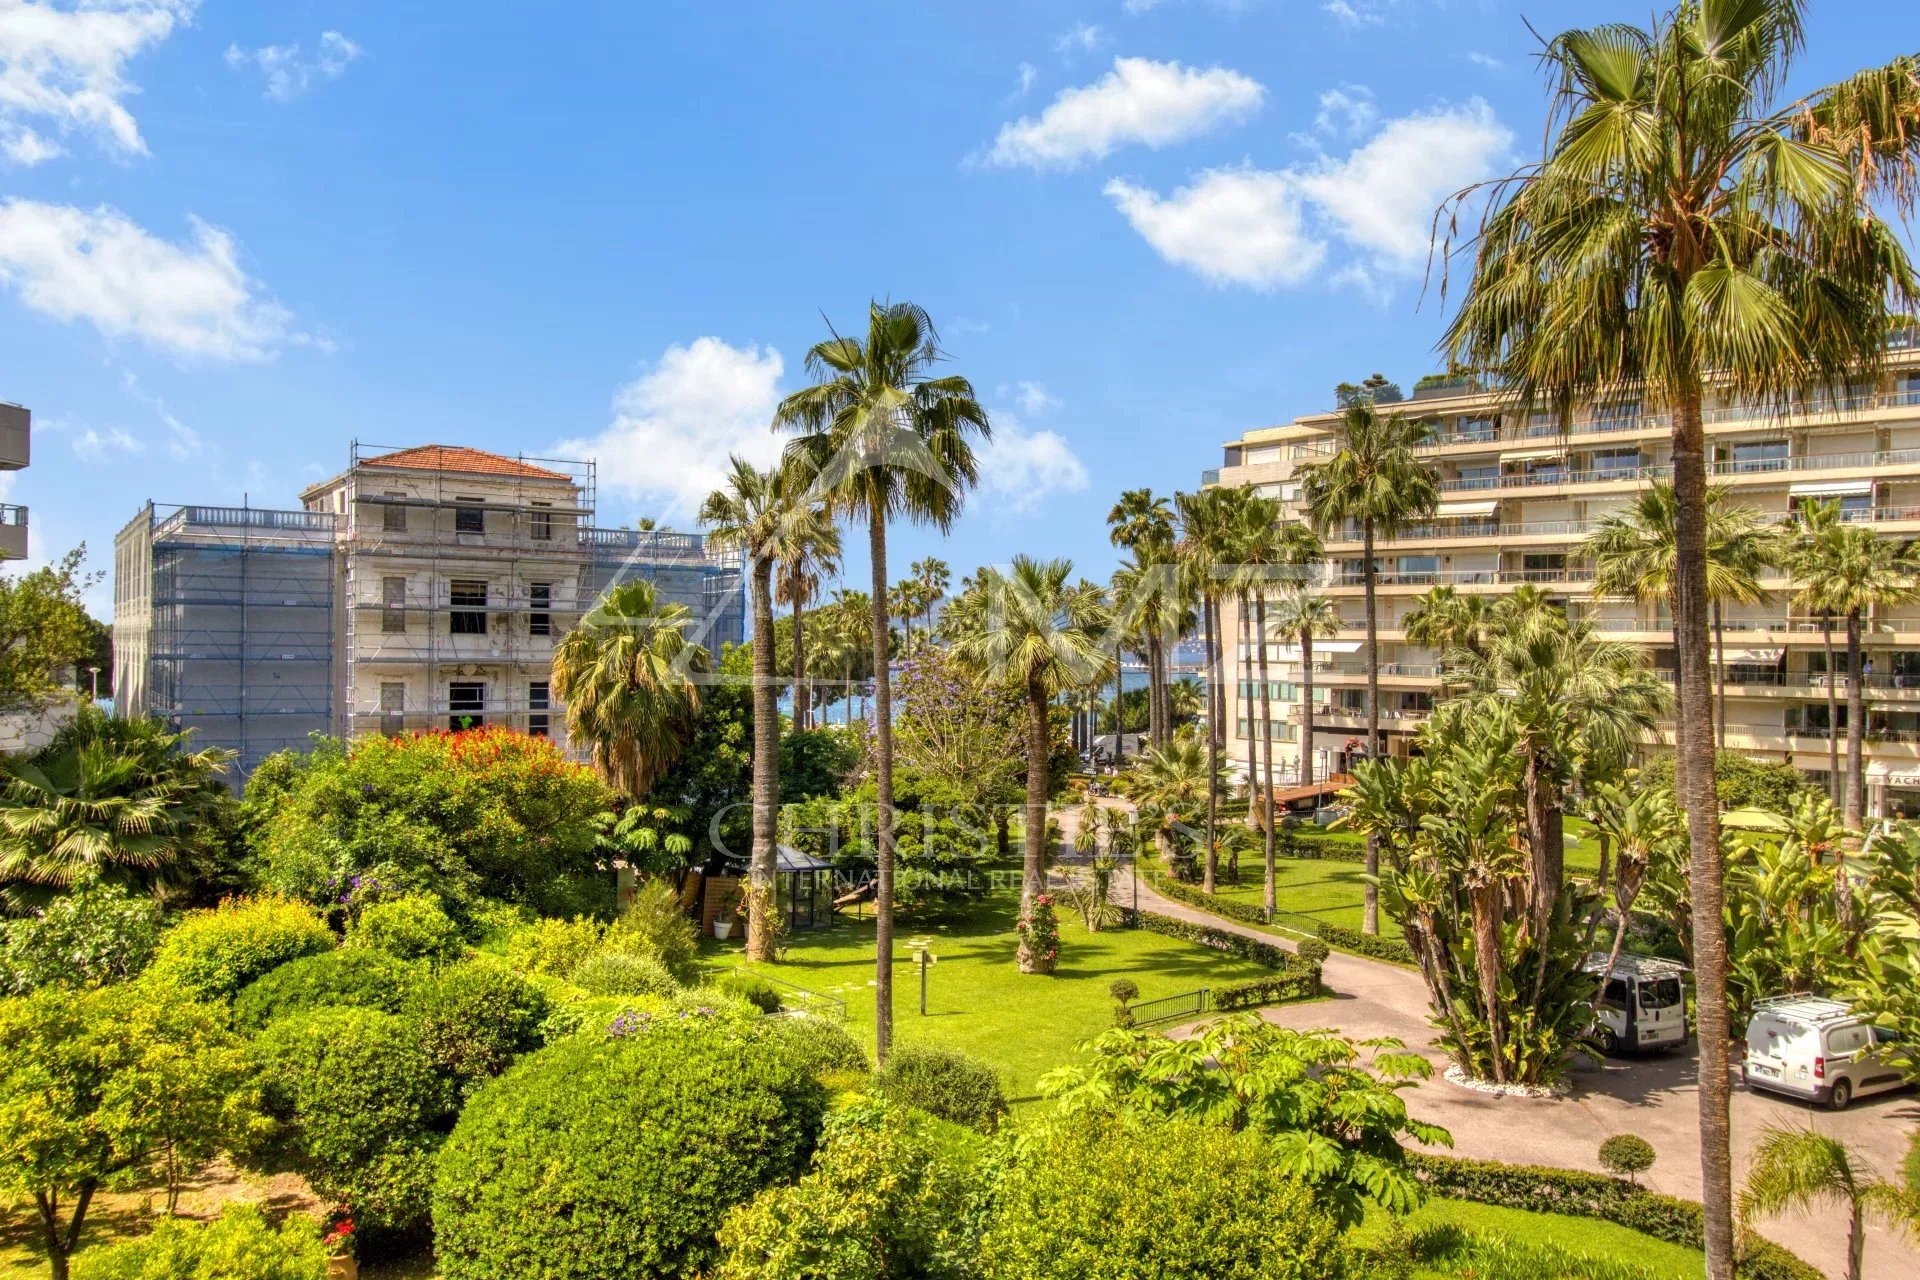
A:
x,y
343,1267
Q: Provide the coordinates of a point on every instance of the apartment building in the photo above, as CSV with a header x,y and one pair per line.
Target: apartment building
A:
x,y
16,451
1518,494
421,588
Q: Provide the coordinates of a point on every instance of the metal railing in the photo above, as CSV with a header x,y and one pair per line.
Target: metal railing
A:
x,y
12,514
1188,1004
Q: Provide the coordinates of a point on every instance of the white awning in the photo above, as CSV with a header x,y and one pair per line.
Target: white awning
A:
x,y
1454,510
1754,655
1836,489
1532,455
1291,652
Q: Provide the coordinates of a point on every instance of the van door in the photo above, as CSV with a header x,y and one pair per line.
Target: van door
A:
x,y
1878,1072
1660,1014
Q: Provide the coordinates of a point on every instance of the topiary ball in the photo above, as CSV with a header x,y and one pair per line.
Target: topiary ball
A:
x,y
616,1156
945,1083
624,973
413,927
1313,950
1626,1155
215,953
356,979
475,1018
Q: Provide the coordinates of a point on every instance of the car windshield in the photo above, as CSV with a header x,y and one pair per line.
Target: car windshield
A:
x,y
1661,993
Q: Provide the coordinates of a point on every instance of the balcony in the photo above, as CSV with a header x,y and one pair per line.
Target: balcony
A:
x,y
13,532
16,437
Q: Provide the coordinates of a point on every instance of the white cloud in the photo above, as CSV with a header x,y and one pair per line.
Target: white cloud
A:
x,y
1019,468
674,426
191,299
1233,226
62,64
1083,38
1486,60
1028,73
287,69
1382,197
26,148
92,445
182,440
1357,13
1034,398
1347,111
1139,101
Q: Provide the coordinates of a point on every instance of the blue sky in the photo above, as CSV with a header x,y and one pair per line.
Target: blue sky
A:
x,y
235,237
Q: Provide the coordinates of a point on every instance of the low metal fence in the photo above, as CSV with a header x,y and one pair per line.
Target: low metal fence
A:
x,y
1188,1004
793,995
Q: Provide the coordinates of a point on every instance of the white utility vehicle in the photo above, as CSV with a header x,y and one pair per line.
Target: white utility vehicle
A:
x,y
1818,1049
1644,1005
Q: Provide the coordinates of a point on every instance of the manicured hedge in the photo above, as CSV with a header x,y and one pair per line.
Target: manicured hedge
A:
x,y
476,1017
1377,946
1331,847
1267,954
215,953
944,1083
1593,1195
1302,982
1192,897
349,978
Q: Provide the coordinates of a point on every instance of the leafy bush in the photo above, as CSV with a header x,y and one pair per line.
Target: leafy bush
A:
x,y
888,1195
238,1245
1268,954
485,813
623,973
756,991
944,1083
360,1110
655,925
214,953
343,979
1739,781
1489,1257
1626,1156
1367,944
411,926
475,1018
98,933
816,762
1192,897
556,947
595,1014
1302,982
813,1044
646,1138
1313,950
1109,1202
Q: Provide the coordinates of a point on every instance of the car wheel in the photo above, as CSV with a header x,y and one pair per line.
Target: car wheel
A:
x,y
1842,1094
1609,1042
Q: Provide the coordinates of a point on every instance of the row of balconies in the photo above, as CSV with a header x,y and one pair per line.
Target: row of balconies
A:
x,y
1473,529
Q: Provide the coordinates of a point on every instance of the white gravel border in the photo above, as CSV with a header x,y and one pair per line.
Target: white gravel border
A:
x,y
1454,1075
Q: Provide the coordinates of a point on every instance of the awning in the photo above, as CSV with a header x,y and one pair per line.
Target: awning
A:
x,y
1754,655
1836,489
1532,455
1454,510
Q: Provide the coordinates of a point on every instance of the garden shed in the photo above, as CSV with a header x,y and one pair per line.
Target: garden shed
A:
x,y
803,889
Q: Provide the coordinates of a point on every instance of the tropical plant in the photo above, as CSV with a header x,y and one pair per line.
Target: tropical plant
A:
x,y
1303,616
1373,480
1206,529
92,935
125,801
805,562
933,575
1803,1168
1685,230
1806,556
627,677
1144,596
1032,629
884,436
1885,980
1173,784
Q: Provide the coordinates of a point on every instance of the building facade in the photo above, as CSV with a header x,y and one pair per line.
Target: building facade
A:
x,y
421,588
1519,494
16,451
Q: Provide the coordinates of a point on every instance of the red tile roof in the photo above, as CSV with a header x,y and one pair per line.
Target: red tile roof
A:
x,y
454,457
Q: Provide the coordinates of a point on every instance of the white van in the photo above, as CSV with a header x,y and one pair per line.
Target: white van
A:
x,y
1818,1049
1644,1005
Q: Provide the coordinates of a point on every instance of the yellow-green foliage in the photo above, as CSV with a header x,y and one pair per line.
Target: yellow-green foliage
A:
x,y
238,1245
214,953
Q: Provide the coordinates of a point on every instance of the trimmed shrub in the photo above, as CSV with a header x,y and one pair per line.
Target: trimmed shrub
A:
x,y
238,1245
555,947
595,1014
1271,955
1192,897
1302,982
655,925
412,927
1313,950
756,991
813,1044
944,1083
1625,1155
623,973
1110,1202
1366,944
475,1018
633,1146
214,953
360,1110
332,979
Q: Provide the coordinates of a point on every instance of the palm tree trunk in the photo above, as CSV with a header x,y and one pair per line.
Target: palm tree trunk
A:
x,y
1835,791
883,799
766,770
801,709
1246,702
1370,913
1033,871
1212,861
1720,655
1306,708
1486,963
1703,830
1856,1240
1267,899
1119,698
1856,725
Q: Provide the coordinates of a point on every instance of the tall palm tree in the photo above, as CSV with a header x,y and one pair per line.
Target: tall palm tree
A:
x,y
1861,571
1032,629
1153,607
1301,617
1685,230
1373,480
1820,524
1803,1168
886,436
1205,549
1143,524
806,560
934,576
1446,621
768,516
626,675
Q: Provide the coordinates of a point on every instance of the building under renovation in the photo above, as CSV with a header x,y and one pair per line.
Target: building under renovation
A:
x,y
422,588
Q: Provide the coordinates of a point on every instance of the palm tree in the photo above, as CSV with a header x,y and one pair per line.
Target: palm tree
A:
x,y
934,576
126,801
1205,548
1174,783
903,602
1374,480
1686,230
1446,622
1859,572
807,559
768,516
1143,524
1303,616
1152,608
884,436
1820,525
1802,1168
626,677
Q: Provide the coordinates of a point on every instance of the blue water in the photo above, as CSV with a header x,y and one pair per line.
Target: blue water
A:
x,y
836,710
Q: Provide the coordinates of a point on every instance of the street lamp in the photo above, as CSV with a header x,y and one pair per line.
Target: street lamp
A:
x,y
95,671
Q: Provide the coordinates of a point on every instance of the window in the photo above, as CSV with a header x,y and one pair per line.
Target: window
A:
x,y
1660,993
393,516
1416,570
393,605
540,622
1623,462
393,706
542,522
469,519
1754,455
1481,477
538,701
465,702
469,616
1846,1040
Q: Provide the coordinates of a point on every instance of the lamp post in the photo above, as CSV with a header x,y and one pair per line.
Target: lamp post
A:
x,y
95,672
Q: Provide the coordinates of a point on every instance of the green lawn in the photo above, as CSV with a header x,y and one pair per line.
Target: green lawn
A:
x,y
978,1002
1581,1235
